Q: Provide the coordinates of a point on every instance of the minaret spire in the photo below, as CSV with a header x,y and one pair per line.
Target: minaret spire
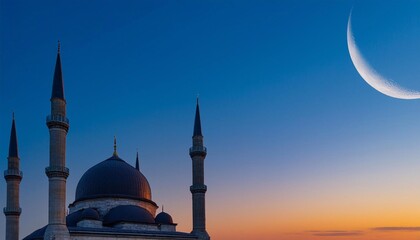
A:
x,y
58,84
13,146
198,189
197,121
137,161
13,177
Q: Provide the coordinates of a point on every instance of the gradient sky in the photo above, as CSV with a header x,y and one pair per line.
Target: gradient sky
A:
x,y
299,146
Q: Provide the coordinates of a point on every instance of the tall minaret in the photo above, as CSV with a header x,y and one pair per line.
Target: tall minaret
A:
x,y
13,176
198,153
57,173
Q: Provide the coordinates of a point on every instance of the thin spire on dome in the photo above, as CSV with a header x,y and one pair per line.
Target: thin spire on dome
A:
x,y
115,147
163,208
137,161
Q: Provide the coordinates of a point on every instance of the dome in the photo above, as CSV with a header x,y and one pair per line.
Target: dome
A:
x,y
38,234
73,218
113,178
90,213
128,213
164,218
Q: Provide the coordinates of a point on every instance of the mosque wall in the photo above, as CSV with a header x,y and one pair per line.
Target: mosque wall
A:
x,y
103,205
98,236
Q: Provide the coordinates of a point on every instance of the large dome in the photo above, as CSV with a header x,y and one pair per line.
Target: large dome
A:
x,y
113,178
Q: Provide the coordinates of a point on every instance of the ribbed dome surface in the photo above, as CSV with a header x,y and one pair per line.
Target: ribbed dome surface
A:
x,y
113,178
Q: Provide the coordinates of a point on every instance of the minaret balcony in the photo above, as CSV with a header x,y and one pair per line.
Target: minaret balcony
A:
x,y
198,149
13,173
198,188
60,120
12,211
57,171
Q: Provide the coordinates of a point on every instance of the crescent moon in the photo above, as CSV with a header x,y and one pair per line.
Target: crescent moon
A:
x,y
374,79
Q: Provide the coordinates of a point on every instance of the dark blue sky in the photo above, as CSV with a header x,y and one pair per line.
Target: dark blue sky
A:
x,y
283,108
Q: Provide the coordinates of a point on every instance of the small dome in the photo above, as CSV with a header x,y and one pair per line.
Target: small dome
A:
x,y
90,213
113,178
128,213
38,234
164,218
73,218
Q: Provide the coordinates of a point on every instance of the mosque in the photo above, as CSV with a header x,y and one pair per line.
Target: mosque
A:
x,y
113,199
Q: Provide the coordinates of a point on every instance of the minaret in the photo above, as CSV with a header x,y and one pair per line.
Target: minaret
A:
x,y
57,173
13,176
198,153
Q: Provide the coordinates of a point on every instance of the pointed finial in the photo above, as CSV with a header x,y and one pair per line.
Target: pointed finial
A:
x,y
198,96
115,147
58,48
13,116
137,161
163,208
